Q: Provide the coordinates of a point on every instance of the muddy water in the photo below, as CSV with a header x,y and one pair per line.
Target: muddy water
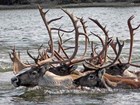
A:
x,y
25,29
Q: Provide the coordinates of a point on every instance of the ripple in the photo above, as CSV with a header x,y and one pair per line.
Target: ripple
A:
x,y
25,29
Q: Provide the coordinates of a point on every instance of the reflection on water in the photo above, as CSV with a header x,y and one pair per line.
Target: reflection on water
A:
x,y
25,29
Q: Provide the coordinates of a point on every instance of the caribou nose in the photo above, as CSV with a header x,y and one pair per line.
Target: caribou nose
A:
x,y
15,81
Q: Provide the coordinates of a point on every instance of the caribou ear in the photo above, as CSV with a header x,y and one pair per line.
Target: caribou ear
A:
x,y
101,73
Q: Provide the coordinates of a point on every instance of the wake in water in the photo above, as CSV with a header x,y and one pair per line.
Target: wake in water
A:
x,y
84,91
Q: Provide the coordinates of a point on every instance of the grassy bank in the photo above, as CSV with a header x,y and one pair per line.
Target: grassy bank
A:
x,y
34,6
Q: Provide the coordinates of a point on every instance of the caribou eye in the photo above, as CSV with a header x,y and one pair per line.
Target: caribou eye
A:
x,y
91,76
34,72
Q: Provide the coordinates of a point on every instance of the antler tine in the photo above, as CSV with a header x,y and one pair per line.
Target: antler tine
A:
x,y
107,43
114,45
83,24
103,28
134,65
131,30
92,49
60,45
39,50
56,54
67,40
92,65
35,59
60,40
86,37
43,54
118,54
102,42
46,56
55,19
69,48
13,53
66,31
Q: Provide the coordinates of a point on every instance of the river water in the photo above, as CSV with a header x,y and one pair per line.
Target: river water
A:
x,y
25,29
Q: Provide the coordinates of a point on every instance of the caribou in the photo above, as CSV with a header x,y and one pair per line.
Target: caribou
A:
x,y
54,68
107,76
101,79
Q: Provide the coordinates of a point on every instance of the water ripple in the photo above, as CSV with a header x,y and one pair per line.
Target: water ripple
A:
x,y
25,29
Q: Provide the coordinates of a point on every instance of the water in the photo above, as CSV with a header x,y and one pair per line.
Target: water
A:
x,y
25,29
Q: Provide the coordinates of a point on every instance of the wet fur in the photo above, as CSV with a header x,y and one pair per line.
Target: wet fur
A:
x,y
40,76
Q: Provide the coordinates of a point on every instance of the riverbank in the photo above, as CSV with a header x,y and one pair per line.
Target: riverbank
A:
x,y
79,5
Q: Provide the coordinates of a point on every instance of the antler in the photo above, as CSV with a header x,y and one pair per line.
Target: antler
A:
x,y
116,58
106,35
131,30
114,45
71,60
17,64
77,33
101,57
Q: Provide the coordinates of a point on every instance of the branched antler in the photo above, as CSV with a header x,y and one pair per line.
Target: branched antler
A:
x,y
77,34
17,64
106,35
116,58
131,30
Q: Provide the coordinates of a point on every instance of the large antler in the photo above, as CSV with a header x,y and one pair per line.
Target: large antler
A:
x,y
131,30
77,34
106,35
46,22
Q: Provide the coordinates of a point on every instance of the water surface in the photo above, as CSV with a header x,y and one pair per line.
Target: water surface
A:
x,y
25,29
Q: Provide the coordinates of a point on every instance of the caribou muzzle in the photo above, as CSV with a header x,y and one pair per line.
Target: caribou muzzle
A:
x,y
15,81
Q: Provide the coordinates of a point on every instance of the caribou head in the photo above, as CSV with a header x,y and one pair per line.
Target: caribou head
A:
x,y
29,77
93,79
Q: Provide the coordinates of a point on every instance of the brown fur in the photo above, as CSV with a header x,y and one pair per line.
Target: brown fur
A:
x,y
131,82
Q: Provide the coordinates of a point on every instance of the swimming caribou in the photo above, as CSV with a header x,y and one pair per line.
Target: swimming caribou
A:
x,y
105,77
120,68
54,68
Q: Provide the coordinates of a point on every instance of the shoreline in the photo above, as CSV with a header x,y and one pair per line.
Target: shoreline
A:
x,y
79,5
